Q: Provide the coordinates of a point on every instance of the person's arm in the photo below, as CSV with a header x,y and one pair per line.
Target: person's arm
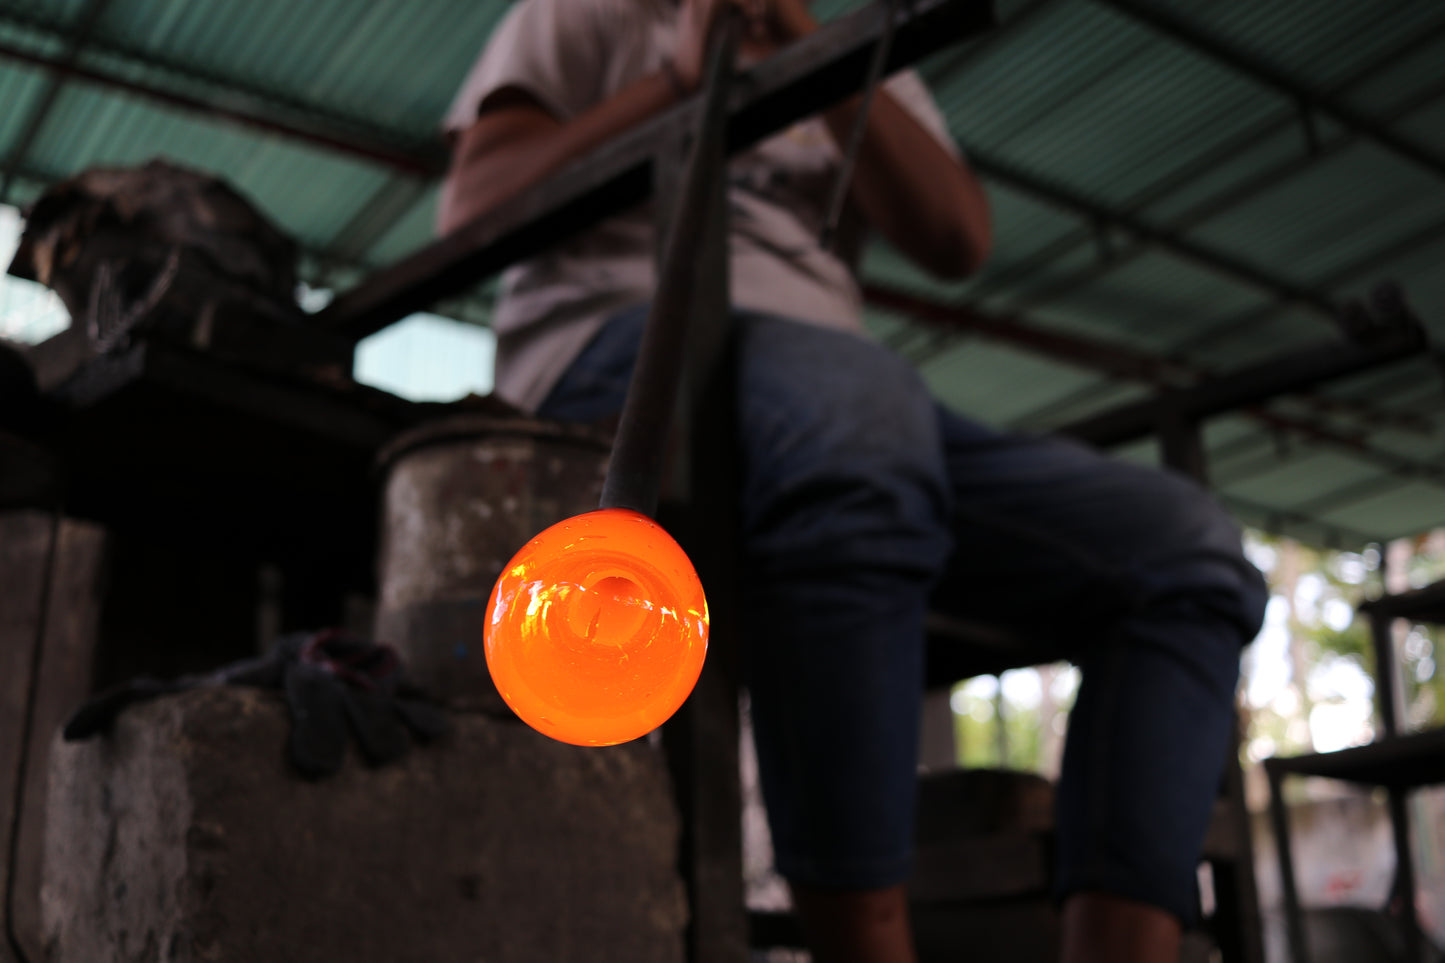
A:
x,y
906,184
516,143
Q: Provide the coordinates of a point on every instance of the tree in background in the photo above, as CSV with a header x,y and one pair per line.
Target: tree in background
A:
x,y
1308,680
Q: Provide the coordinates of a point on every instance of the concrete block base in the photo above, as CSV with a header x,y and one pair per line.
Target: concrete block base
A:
x,y
183,836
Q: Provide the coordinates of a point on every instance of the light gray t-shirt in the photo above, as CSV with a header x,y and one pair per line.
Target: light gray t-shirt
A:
x,y
572,54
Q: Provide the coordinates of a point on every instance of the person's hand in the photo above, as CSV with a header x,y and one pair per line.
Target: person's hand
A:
x,y
695,21
782,21
769,24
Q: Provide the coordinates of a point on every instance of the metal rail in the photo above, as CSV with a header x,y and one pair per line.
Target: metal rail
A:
x,y
1297,371
634,474
815,73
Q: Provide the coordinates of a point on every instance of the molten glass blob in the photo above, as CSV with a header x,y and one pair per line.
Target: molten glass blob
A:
x,y
597,629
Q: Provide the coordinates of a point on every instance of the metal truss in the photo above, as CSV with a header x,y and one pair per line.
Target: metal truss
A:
x,y
41,107
1168,23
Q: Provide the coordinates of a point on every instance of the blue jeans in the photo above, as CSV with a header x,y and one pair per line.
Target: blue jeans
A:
x,y
864,505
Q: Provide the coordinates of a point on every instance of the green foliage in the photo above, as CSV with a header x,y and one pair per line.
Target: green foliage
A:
x,y
1327,585
976,739
1353,643
1424,681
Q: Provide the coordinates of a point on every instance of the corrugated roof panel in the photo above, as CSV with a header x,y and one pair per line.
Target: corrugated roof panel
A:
x,y
1227,430
1074,93
1385,383
1022,226
1395,435
1404,509
1421,273
1144,453
1304,475
1426,126
414,229
106,129
29,39
1093,397
1415,449
1232,343
1074,251
394,62
317,209
20,89
995,383
1280,520
887,326
883,264
1299,235
1136,125
1320,41
1152,302
1051,58
22,192
1226,167
60,14
826,10
1243,457
1402,76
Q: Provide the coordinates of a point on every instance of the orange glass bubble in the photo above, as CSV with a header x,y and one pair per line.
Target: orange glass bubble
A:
x,y
597,629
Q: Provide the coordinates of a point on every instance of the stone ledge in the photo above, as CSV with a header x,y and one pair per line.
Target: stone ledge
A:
x,y
184,837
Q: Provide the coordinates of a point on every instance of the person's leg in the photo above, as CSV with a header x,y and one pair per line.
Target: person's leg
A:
x,y
845,510
1102,928
594,386
855,926
1139,577
845,529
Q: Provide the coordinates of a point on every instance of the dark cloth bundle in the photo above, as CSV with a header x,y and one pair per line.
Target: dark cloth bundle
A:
x,y
333,685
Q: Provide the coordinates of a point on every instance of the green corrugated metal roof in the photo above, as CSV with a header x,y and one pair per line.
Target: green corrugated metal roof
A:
x,y
1077,99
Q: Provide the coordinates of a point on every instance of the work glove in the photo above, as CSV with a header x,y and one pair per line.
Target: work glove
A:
x,y
335,686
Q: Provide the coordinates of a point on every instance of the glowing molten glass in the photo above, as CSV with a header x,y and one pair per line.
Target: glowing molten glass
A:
x,y
597,629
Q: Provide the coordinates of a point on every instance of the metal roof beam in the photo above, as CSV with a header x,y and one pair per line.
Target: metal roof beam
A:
x,y
1276,518
1113,359
419,160
1118,361
389,204
1096,355
1212,395
40,110
245,98
1254,385
1221,153
1180,29
1212,207
1339,277
1189,219
1205,256
1395,468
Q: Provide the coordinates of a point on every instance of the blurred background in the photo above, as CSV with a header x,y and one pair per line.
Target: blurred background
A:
x,y
1180,189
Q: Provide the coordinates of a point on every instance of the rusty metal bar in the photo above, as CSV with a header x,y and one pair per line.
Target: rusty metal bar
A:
x,y
1293,372
1120,361
634,474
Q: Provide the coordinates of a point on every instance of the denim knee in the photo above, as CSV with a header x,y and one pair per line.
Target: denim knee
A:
x,y
1199,556
842,463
